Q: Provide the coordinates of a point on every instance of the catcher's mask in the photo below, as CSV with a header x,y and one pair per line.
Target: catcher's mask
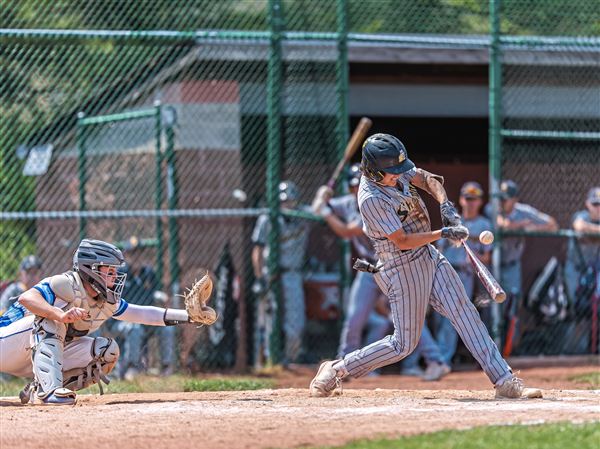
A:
x,y
87,260
384,153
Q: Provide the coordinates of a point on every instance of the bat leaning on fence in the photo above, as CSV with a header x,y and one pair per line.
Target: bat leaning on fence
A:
x,y
488,281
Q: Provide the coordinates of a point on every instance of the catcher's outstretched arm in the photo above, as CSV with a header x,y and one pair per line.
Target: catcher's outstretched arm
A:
x,y
152,316
196,311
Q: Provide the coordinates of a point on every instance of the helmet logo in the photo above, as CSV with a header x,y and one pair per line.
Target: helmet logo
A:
x,y
401,157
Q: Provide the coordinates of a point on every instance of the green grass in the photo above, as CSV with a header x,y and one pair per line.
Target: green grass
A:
x,y
227,384
546,436
150,384
592,379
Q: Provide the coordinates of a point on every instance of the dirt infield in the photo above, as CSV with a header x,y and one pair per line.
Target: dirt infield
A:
x,y
287,417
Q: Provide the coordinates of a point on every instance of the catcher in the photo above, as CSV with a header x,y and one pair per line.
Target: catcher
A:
x,y
44,335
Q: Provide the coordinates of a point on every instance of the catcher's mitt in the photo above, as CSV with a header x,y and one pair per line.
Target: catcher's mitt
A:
x,y
196,299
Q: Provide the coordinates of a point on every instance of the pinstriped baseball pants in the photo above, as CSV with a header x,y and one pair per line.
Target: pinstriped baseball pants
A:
x,y
421,277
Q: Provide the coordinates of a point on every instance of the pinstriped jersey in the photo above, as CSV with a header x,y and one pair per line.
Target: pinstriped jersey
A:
x,y
386,209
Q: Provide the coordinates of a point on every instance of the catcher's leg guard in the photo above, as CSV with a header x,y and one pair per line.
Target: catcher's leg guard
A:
x,y
105,353
47,357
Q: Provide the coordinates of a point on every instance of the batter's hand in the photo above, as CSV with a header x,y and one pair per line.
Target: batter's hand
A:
x,y
74,314
456,233
449,214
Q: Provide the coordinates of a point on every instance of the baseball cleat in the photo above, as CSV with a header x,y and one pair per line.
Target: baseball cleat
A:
x,y
435,371
513,388
60,396
326,381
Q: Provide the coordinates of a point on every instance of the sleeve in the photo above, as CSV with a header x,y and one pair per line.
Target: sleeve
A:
x,y
579,215
379,218
46,288
259,234
537,216
338,207
60,287
134,313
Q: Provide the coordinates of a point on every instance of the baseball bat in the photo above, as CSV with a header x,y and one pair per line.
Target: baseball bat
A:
x,y
488,281
358,136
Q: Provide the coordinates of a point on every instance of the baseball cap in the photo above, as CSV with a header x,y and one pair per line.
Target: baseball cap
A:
x,y
471,189
594,195
30,262
508,189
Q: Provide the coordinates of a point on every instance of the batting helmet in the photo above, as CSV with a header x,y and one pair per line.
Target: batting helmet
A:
x,y
384,153
87,260
354,175
288,191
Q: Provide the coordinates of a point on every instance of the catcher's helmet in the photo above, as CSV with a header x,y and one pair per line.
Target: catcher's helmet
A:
x,y
288,191
354,174
384,153
87,260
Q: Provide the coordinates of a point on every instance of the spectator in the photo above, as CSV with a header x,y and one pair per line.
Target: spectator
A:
x,y
30,271
582,268
292,249
515,216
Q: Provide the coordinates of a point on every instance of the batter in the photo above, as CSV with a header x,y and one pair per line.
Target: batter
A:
x,y
414,272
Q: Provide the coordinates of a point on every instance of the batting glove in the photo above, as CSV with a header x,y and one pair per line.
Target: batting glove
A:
x,y
455,233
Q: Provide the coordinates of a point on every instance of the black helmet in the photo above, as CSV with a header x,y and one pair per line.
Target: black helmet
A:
x,y
87,260
354,174
288,191
384,153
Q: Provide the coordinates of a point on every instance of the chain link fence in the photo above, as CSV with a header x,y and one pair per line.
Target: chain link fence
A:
x,y
166,127
550,107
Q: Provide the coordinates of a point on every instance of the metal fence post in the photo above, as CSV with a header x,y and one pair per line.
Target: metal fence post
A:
x,y
81,170
274,82
495,144
158,198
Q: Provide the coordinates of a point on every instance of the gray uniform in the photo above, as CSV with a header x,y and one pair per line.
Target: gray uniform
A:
x,y
412,279
292,249
588,254
577,262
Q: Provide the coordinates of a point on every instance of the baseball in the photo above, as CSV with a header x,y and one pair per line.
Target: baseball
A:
x,y
486,237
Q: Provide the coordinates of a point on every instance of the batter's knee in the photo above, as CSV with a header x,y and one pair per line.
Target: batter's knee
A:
x,y
403,346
